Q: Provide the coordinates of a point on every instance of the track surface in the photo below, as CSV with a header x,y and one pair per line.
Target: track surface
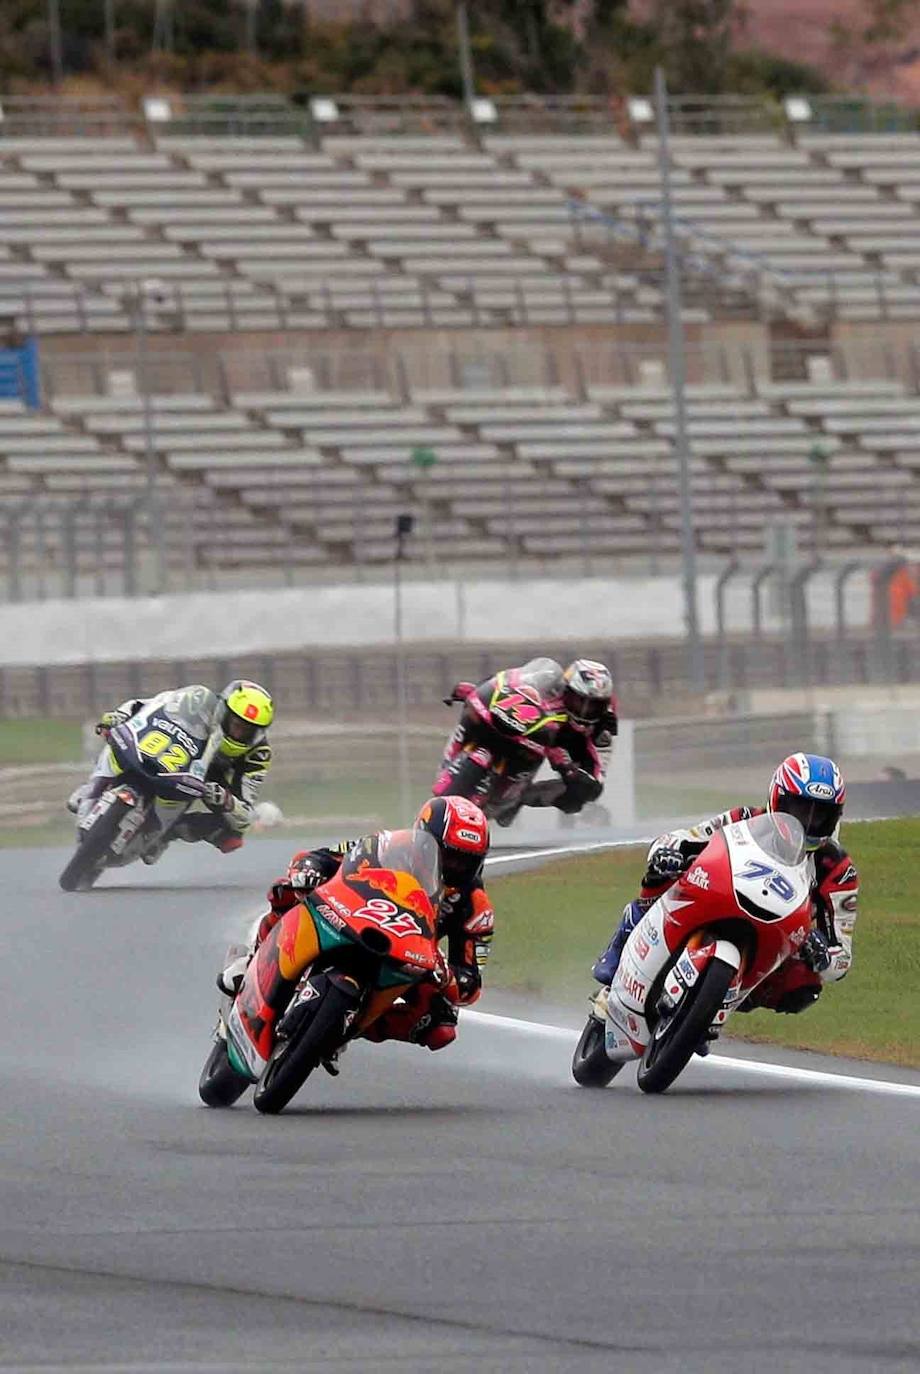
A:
x,y
471,1210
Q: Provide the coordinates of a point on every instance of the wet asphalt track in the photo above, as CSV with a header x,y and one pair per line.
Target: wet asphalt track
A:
x,y
471,1210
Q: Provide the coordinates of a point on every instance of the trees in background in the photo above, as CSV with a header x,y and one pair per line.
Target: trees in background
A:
x,y
518,45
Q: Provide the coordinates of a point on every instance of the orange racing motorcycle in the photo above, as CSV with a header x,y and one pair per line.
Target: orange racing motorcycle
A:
x,y
331,966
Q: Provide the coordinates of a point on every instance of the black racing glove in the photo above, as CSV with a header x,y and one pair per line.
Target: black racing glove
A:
x,y
580,788
815,952
667,862
469,983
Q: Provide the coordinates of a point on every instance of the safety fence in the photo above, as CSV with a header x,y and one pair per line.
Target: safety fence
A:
x,y
361,684
309,116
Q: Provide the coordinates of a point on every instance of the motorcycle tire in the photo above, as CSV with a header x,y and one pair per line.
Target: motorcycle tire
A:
x,y
220,1085
293,1060
590,1066
88,863
669,1053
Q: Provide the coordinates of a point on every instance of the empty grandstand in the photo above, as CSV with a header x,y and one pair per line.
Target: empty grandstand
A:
x,y
293,323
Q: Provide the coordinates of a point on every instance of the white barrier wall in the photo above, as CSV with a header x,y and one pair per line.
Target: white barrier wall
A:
x,y
212,624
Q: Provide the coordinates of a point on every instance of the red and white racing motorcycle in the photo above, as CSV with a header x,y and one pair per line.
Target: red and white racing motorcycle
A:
x,y
742,908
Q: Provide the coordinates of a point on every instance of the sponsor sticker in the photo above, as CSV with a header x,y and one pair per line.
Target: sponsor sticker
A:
x,y
699,877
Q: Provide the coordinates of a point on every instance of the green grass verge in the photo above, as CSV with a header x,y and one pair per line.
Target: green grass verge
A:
x,y
39,741
552,922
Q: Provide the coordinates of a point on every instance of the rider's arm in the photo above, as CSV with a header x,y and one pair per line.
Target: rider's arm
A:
x,y
461,691
836,902
245,786
109,719
672,853
469,937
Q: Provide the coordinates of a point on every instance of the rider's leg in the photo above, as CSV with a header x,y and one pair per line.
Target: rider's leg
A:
x,y
608,963
794,987
425,1017
208,827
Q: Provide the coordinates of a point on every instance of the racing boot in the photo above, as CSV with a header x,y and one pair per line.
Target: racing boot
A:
x,y
608,963
156,847
230,979
75,798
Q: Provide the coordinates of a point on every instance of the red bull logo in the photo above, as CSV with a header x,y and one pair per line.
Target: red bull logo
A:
x,y
402,888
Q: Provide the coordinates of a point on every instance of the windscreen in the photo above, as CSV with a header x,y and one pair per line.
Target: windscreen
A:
x,y
405,851
194,707
545,675
780,836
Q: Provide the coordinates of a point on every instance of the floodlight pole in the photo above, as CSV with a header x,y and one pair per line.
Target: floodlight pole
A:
x,y
154,514
678,371
110,31
466,55
54,41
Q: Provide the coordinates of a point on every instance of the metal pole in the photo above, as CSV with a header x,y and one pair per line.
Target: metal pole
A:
x,y
54,42
110,31
466,55
677,362
403,527
155,524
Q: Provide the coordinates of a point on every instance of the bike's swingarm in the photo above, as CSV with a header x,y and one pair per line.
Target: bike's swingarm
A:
x,y
132,822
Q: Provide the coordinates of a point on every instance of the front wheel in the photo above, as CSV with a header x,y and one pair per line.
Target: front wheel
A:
x,y
294,1059
674,1041
88,863
220,1085
590,1066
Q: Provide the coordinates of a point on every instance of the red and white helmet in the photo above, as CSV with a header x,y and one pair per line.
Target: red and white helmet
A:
x,y
811,788
462,832
588,692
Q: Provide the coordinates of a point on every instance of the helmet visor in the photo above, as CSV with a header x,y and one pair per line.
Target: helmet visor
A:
x,y
819,819
239,730
586,710
459,867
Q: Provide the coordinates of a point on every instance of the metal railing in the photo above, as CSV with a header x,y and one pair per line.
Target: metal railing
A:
x,y
273,114
402,371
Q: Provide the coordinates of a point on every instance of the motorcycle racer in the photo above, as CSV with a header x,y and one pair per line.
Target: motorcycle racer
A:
x,y
521,716
428,1013
811,788
238,767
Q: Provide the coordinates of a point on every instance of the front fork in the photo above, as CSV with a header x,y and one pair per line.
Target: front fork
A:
x,y
627,1031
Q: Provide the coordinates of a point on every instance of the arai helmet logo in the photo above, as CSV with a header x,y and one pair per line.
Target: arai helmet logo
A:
x,y
821,791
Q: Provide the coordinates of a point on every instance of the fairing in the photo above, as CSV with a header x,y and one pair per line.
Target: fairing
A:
x,y
750,884
389,913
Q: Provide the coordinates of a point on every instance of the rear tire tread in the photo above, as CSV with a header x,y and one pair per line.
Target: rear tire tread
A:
x,y
591,1067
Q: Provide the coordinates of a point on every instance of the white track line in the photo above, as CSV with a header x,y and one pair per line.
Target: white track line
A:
x,y
567,850
716,1061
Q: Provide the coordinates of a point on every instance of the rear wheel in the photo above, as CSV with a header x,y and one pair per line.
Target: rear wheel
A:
x,y
675,1039
590,1066
88,863
220,1085
294,1059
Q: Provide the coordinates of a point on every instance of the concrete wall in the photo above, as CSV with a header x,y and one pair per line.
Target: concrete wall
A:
x,y
614,609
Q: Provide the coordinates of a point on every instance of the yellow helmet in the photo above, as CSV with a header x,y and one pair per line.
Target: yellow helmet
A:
x,y
246,709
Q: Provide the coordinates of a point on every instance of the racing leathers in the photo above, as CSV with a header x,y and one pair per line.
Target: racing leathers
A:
x,y
510,723
232,785
827,952
427,1015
